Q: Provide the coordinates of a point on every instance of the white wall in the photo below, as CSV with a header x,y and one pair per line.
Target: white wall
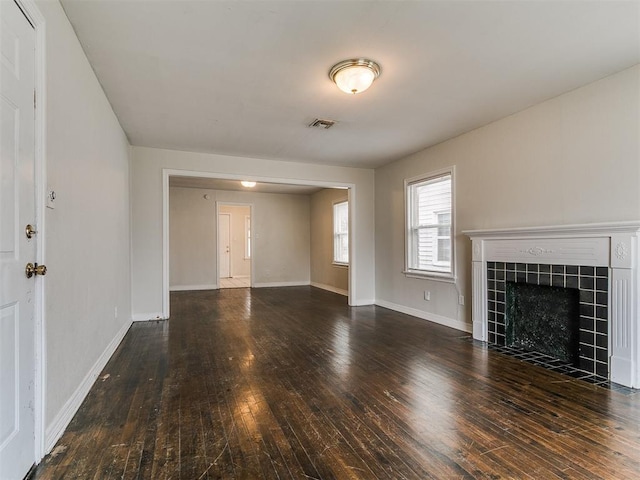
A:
x,y
87,235
146,170
324,273
280,244
573,159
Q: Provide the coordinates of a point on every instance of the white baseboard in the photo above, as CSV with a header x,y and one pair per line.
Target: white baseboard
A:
x,y
432,317
184,288
59,424
145,317
363,302
280,284
330,288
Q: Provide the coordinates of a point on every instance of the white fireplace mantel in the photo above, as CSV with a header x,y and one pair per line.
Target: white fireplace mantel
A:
x,y
612,245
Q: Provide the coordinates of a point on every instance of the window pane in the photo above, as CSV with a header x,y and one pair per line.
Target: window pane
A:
x,y
429,222
444,250
431,249
341,232
444,218
342,248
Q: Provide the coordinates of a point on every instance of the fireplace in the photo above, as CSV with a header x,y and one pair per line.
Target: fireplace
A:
x,y
569,292
557,310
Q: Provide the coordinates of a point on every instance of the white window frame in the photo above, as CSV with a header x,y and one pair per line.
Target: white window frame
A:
x,y
336,261
434,273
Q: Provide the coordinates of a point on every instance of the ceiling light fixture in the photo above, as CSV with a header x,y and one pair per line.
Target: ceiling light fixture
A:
x,y
355,75
247,184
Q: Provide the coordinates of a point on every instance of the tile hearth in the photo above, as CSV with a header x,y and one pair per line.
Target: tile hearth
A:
x,y
550,363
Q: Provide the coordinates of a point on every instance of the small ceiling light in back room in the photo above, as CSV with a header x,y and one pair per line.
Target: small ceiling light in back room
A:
x,y
355,75
248,184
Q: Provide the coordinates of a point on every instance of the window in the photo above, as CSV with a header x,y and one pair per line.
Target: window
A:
x,y
429,215
341,233
247,237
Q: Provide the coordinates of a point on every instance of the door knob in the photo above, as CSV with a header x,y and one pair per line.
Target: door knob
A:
x,y
35,269
30,231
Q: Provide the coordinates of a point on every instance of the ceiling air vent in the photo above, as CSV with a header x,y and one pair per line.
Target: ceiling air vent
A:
x,y
320,123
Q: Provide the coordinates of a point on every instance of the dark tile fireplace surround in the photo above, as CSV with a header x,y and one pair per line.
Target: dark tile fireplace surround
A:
x,y
590,286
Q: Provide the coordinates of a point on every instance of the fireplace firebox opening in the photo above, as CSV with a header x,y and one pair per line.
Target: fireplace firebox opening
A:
x,y
543,319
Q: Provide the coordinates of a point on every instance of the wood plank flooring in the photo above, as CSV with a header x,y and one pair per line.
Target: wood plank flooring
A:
x,y
292,383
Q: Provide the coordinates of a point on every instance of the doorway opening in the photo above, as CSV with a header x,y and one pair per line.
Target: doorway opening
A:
x,y
234,245
268,228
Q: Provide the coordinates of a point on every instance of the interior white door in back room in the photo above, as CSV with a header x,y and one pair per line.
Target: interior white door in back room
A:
x,y
17,210
224,244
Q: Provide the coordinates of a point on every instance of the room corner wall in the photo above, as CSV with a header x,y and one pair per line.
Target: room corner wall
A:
x,y
87,287
280,243
324,273
570,160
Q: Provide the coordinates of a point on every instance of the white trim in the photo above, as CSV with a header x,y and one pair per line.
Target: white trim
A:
x,y
218,215
446,278
557,231
57,427
363,303
37,20
432,317
351,189
165,244
330,288
186,288
353,238
147,317
281,284
282,180
248,233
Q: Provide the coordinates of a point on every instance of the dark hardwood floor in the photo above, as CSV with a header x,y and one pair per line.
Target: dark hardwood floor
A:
x,y
292,383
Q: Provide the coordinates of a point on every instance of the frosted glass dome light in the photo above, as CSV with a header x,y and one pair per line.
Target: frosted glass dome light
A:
x,y
354,76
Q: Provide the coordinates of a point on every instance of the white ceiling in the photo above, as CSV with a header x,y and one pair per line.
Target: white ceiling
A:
x,y
245,78
234,185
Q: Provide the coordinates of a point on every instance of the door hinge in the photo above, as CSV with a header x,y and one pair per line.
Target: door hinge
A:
x,y
34,99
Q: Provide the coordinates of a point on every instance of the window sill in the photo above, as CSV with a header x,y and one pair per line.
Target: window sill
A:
x,y
341,265
438,277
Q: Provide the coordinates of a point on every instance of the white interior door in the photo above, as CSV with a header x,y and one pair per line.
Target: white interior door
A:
x,y
17,209
224,244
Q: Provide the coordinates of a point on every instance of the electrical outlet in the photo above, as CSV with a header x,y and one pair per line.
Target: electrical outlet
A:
x,y
460,299
427,295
